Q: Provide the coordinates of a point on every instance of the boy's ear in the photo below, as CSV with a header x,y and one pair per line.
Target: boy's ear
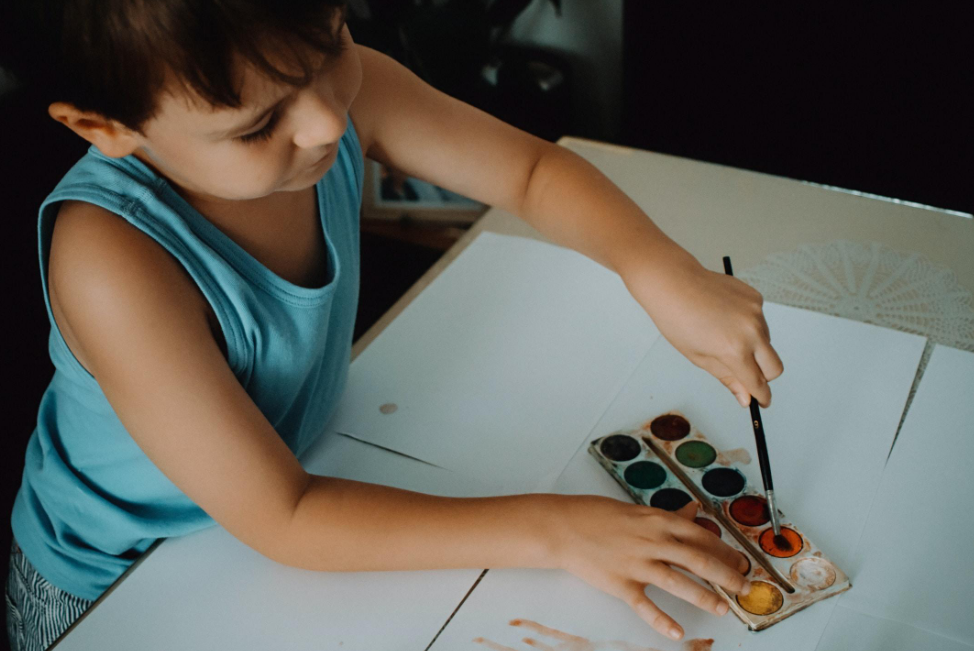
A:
x,y
112,138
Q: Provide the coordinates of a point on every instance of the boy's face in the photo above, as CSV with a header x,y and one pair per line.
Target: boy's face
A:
x,y
282,139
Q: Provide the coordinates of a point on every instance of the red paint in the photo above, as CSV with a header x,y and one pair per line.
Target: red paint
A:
x,y
709,525
750,510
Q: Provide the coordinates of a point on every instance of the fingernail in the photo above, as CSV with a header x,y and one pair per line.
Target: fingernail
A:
x,y
676,633
743,566
722,608
746,589
744,401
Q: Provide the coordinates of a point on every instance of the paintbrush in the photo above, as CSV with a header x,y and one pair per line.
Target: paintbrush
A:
x,y
762,446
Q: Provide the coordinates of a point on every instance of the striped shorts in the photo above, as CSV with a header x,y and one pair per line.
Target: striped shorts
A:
x,y
37,612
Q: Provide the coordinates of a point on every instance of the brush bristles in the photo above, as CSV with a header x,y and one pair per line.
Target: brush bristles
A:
x,y
782,543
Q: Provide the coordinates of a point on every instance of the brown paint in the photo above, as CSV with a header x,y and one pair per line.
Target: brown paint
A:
x,y
493,646
737,455
389,408
565,641
670,427
698,644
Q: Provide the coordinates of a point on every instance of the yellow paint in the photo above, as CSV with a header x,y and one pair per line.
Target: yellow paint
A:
x,y
763,599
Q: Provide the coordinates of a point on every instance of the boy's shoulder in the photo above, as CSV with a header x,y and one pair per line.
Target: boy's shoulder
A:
x,y
103,271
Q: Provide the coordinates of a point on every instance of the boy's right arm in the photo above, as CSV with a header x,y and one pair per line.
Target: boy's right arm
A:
x,y
139,324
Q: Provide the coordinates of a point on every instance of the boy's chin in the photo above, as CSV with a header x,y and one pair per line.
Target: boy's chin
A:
x,y
305,179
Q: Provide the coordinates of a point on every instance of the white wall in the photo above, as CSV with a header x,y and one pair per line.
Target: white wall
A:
x,y
589,34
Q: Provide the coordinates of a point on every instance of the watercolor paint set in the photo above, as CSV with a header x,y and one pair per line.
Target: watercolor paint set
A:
x,y
666,463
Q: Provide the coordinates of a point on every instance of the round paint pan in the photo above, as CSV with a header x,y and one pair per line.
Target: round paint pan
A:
x,y
763,599
620,447
696,454
670,499
750,510
670,427
723,482
795,543
645,475
709,525
813,573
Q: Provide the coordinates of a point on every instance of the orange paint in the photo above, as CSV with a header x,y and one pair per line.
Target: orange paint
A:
x,y
769,545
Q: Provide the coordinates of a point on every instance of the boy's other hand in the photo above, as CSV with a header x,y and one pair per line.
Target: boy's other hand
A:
x,y
714,320
621,548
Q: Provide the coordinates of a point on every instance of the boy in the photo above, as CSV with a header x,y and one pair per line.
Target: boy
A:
x,y
200,268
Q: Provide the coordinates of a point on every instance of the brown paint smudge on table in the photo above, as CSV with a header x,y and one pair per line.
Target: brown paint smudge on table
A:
x,y
698,644
565,641
737,455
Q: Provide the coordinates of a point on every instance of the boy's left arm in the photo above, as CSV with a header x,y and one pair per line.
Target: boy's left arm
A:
x,y
714,320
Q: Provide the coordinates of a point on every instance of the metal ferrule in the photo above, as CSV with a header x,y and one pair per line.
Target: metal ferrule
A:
x,y
773,510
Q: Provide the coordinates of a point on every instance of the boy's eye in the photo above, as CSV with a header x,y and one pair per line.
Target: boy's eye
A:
x,y
263,133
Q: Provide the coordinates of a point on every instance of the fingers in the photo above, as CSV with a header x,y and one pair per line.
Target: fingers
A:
x,y
747,371
682,586
711,544
767,358
734,386
634,594
688,511
716,368
693,534
707,566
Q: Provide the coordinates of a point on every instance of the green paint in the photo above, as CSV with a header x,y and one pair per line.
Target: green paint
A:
x,y
645,475
696,454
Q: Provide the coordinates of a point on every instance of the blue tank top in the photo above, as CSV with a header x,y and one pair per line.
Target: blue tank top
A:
x,y
90,501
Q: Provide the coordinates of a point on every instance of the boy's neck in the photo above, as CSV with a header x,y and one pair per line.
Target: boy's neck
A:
x,y
217,209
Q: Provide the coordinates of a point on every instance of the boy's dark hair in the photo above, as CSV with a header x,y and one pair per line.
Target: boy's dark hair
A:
x,y
115,56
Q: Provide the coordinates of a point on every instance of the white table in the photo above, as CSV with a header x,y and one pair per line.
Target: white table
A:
x,y
712,211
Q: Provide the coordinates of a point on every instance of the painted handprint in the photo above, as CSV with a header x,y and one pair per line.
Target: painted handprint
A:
x,y
561,641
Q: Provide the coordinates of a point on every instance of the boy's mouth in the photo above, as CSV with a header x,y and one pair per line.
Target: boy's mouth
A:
x,y
323,158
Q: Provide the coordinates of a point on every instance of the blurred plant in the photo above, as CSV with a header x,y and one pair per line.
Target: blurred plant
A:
x,y
447,42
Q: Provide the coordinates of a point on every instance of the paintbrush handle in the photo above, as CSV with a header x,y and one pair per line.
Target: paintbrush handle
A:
x,y
762,445
727,266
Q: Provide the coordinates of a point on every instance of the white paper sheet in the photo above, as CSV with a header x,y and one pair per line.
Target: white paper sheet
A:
x,y
560,601
915,563
833,417
209,591
849,630
502,365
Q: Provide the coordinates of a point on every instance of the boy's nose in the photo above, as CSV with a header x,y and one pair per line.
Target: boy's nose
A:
x,y
318,119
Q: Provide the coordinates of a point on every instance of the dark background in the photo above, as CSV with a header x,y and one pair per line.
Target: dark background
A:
x,y
868,99
873,98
